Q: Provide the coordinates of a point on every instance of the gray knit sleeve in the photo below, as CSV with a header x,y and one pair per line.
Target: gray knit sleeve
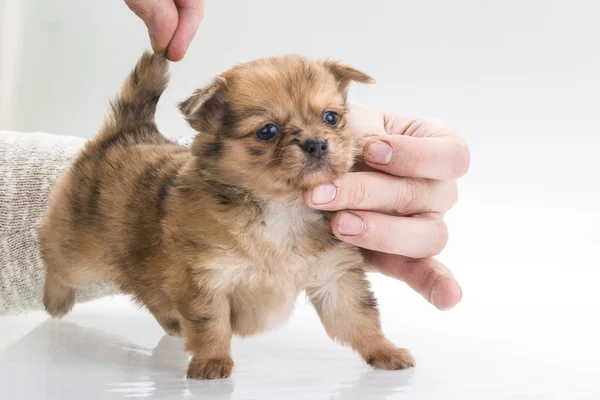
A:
x,y
30,164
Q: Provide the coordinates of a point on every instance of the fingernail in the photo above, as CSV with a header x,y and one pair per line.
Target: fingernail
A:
x,y
350,224
379,152
324,194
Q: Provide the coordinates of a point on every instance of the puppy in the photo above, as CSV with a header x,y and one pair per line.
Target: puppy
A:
x,y
217,241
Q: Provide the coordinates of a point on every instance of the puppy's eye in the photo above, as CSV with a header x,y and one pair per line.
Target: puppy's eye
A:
x,y
331,118
267,132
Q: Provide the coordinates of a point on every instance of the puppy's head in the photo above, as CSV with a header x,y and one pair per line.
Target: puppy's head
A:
x,y
276,124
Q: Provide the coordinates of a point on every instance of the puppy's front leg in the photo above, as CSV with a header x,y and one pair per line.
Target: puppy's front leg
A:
x,y
207,333
349,313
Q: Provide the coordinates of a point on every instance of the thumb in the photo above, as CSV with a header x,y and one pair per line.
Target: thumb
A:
x,y
161,19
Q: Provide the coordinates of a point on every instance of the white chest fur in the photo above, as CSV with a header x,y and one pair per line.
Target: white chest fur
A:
x,y
286,224
270,251
269,266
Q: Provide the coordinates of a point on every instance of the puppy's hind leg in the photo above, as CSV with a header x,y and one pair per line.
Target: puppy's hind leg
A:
x,y
59,298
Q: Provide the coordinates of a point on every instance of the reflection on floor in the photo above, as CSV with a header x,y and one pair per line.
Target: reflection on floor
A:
x,y
63,360
110,349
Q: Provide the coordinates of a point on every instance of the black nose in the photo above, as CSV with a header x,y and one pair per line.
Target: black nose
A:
x,y
316,148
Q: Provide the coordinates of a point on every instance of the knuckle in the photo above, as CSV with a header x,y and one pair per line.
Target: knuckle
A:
x,y
439,237
406,195
356,194
462,160
392,124
452,194
140,9
426,279
415,126
409,159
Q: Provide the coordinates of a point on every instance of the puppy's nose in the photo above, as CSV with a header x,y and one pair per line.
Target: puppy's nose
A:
x,y
315,148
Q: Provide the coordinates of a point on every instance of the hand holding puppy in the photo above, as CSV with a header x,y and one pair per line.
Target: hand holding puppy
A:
x,y
171,23
397,217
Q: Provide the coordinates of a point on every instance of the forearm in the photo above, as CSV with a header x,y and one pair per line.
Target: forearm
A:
x,y
30,165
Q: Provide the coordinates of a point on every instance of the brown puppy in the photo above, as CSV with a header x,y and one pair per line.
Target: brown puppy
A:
x,y
217,241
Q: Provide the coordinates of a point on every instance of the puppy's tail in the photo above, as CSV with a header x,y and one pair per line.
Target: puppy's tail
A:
x,y
131,118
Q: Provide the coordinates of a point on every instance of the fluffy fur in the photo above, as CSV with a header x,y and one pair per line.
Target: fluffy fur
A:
x,y
217,241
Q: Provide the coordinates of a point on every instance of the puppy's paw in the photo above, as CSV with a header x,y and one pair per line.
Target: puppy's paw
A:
x,y
58,302
214,368
391,358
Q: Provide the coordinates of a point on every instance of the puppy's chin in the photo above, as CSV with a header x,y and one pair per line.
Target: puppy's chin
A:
x,y
292,182
315,175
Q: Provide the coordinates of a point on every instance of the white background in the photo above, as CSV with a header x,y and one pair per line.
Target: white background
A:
x,y
519,79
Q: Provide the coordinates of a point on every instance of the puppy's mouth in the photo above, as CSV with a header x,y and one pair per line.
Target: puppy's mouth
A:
x,y
317,171
313,166
320,165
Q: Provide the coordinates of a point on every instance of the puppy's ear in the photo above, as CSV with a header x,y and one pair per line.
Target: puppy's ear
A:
x,y
346,75
203,108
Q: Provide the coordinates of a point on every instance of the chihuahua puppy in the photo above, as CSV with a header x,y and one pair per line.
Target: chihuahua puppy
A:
x,y
217,241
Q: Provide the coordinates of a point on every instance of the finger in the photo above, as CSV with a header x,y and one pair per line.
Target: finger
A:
x,y
364,121
374,191
407,236
441,158
426,276
160,18
191,13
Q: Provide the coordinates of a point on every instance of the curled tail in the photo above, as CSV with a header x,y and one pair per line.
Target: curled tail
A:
x,y
131,118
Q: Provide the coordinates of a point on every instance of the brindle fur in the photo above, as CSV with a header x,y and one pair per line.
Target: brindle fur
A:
x,y
216,241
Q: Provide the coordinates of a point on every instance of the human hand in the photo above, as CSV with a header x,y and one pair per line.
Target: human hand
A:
x,y
170,23
396,217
